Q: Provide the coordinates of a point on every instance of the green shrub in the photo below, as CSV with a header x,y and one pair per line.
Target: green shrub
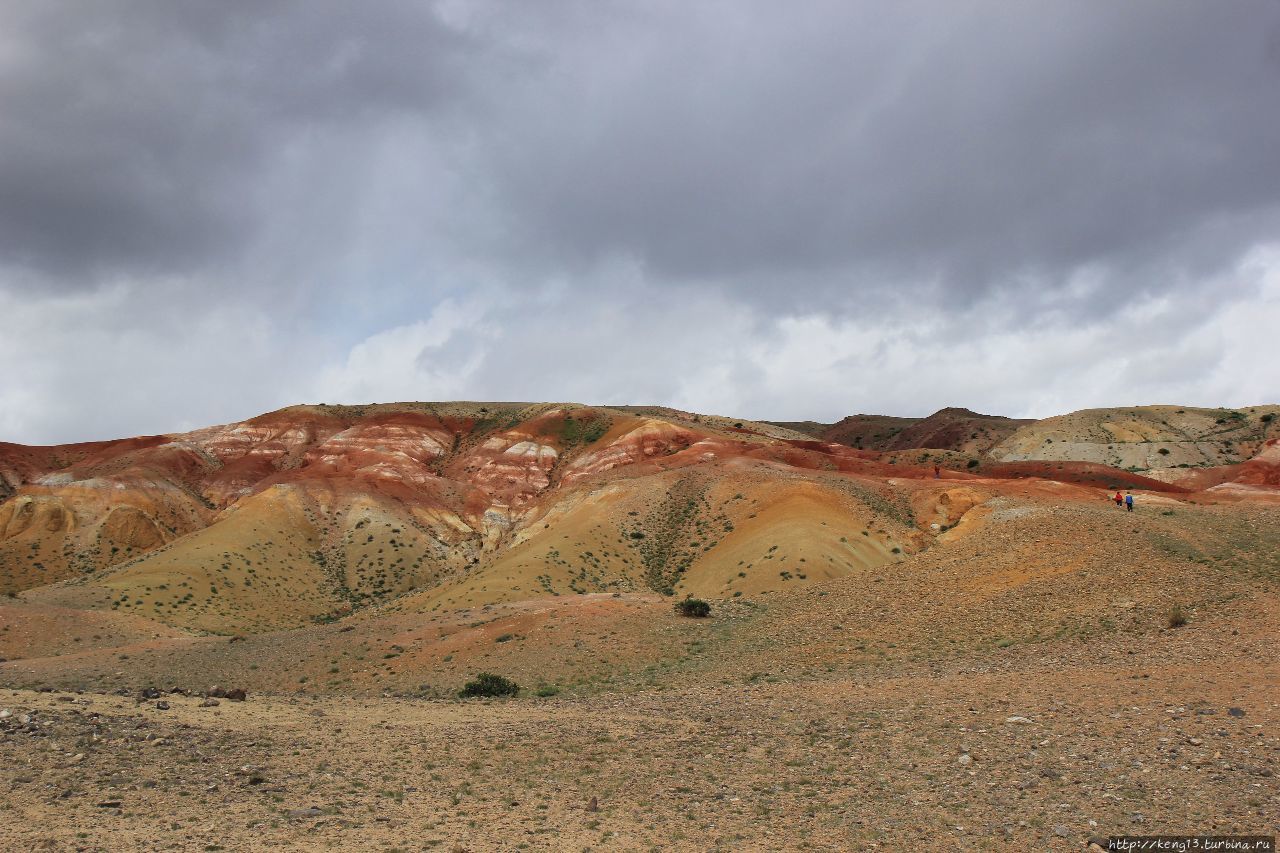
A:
x,y
488,684
1177,617
695,608
973,463
547,691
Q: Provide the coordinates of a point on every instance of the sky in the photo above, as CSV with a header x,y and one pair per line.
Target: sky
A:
x,y
793,211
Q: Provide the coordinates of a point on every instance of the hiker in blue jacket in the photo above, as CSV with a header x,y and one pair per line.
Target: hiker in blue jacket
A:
x,y
1128,501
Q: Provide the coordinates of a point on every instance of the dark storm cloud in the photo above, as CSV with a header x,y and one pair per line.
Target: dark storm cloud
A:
x,y
137,136
966,142
861,143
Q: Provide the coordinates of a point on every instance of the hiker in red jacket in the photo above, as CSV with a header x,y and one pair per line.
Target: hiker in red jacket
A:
x,y
1119,499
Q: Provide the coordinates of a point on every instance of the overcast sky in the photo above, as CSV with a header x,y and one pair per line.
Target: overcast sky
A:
x,y
209,210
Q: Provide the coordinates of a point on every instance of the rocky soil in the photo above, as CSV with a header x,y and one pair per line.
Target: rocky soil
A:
x,y
1030,756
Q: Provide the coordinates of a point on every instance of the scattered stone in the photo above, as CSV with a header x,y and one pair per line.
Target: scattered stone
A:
x,y
110,804
1050,773
1016,719
162,706
965,760
307,812
236,695
1061,831
209,703
1236,712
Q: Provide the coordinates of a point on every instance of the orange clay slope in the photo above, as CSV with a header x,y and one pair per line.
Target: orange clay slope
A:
x,y
316,513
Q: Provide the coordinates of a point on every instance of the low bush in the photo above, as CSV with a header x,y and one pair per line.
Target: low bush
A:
x,y
488,684
1177,617
695,608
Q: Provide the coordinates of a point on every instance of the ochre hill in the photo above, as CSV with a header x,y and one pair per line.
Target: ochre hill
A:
x,y
1146,437
947,429
316,513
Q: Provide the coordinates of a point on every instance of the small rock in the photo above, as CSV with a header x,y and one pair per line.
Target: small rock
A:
x,y
1050,773
965,760
162,706
209,703
1061,831
5,713
308,812
1017,719
1236,712
594,805
236,695
110,804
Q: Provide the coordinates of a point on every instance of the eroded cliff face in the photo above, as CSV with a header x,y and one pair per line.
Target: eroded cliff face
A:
x,y
322,509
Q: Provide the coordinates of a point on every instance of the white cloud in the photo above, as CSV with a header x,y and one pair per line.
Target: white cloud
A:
x,y
411,362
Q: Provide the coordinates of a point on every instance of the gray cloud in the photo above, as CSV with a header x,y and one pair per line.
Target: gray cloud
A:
x,y
549,200
139,136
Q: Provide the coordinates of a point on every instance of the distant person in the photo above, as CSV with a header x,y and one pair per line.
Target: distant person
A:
x,y
1119,499
1128,502
937,472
